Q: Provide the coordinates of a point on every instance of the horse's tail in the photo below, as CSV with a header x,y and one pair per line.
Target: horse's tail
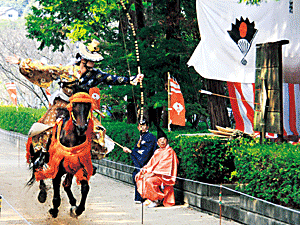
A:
x,y
29,157
32,178
37,161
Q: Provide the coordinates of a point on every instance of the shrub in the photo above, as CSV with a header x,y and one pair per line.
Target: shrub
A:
x,y
203,158
124,134
19,119
270,171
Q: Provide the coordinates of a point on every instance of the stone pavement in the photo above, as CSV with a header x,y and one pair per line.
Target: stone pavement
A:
x,y
109,201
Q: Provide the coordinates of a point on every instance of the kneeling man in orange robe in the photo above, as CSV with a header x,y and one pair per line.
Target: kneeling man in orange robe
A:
x,y
156,179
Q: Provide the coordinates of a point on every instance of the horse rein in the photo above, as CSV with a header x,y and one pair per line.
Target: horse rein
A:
x,y
87,121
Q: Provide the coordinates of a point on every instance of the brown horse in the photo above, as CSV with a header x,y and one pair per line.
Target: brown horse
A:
x,y
70,153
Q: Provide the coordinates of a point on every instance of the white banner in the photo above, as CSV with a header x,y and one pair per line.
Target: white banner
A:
x,y
230,30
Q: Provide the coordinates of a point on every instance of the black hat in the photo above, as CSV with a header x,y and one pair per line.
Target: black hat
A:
x,y
161,133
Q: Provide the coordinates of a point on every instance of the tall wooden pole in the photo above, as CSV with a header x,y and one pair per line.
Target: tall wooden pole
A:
x,y
169,102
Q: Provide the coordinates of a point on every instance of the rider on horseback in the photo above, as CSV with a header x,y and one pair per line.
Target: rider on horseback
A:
x,y
72,79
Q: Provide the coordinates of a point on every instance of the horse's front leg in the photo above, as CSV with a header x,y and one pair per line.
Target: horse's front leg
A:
x,y
84,192
56,195
67,186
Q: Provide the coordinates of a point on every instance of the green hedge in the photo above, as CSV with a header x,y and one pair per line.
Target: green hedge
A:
x,y
204,158
270,171
19,119
124,134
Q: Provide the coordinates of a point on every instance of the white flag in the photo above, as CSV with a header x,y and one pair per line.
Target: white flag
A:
x,y
230,31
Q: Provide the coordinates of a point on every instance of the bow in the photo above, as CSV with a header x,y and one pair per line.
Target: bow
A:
x,y
137,58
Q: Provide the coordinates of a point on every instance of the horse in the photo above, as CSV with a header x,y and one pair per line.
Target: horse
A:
x,y
69,153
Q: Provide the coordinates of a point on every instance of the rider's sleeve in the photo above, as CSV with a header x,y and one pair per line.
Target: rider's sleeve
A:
x,y
106,78
41,74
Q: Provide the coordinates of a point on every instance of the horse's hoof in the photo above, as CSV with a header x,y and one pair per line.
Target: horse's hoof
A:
x,y
79,210
73,212
42,196
53,212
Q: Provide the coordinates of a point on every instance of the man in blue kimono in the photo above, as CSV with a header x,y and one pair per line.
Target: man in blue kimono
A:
x,y
142,153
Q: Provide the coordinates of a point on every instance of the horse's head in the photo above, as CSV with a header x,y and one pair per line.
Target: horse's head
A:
x,y
80,109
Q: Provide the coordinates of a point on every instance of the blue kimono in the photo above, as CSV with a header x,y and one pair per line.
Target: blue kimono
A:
x,y
141,156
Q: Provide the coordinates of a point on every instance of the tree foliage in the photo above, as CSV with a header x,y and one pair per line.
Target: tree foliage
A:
x,y
53,21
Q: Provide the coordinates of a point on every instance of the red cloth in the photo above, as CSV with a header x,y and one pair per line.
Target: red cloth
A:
x,y
163,165
76,160
95,94
28,155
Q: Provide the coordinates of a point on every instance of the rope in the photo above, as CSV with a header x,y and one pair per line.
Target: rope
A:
x,y
220,204
212,185
1,197
180,178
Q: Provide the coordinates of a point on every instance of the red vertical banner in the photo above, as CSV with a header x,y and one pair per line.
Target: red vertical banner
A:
x,y
177,111
95,94
12,91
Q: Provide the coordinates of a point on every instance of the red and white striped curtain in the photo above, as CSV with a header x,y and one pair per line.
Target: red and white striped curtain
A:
x,y
291,109
242,103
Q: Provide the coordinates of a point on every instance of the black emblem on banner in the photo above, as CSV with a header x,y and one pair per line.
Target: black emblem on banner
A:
x,y
243,33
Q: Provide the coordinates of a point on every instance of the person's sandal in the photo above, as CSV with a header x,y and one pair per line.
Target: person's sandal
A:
x,y
153,204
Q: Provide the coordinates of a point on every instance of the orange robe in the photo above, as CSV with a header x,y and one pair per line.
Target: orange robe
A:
x,y
163,165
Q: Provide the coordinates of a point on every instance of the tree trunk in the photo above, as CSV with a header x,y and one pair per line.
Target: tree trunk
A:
x,y
131,112
137,15
140,18
165,117
173,18
155,115
217,106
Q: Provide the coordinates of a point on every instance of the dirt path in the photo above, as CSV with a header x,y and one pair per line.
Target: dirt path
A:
x,y
109,201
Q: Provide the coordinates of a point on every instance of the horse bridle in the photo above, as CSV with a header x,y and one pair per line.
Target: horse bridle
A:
x,y
87,121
